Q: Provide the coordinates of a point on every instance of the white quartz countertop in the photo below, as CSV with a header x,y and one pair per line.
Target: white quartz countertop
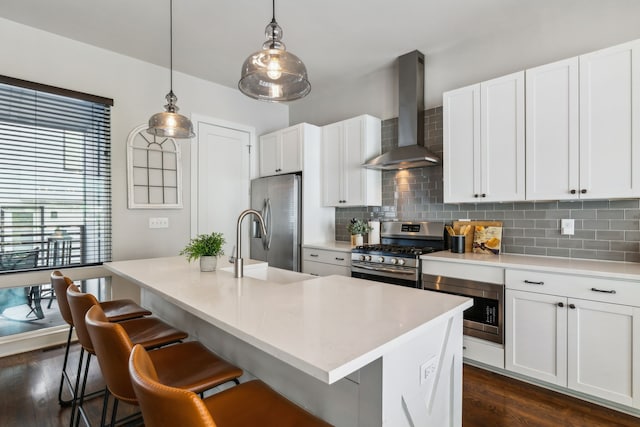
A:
x,y
333,245
327,327
608,269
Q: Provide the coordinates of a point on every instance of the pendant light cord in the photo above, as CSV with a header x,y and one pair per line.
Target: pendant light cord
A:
x,y
171,45
273,24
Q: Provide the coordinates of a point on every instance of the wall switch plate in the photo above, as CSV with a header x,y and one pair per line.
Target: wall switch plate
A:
x,y
567,227
427,369
158,222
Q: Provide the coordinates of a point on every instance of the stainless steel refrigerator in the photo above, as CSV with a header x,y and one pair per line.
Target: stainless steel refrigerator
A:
x,y
278,198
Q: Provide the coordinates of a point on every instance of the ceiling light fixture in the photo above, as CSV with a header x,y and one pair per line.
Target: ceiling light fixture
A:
x,y
169,123
273,74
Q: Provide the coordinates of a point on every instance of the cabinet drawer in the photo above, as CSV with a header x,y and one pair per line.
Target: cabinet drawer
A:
x,y
575,286
328,257
322,269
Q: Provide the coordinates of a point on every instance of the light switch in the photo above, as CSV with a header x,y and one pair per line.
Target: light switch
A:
x,y
567,227
158,222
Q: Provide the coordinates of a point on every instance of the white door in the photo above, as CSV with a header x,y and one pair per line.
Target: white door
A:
x,y
502,138
353,171
552,131
270,154
291,149
220,179
332,157
610,122
536,335
461,166
602,359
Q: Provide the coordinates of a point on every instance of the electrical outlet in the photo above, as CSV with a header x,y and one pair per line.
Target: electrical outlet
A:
x,y
427,369
158,222
567,227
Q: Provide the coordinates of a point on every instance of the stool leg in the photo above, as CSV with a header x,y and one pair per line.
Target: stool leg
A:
x,y
105,404
64,376
81,412
114,412
75,389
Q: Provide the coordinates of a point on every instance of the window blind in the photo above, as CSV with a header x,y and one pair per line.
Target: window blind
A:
x,y
55,177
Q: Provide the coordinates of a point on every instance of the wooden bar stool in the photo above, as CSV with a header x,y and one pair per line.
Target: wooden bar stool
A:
x,y
115,311
249,404
148,331
187,365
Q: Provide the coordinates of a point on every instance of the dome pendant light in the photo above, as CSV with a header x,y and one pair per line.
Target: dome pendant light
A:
x,y
169,123
273,74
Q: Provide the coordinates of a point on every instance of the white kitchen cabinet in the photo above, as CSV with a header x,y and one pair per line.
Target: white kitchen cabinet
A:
x,y
552,131
282,151
536,336
324,262
346,145
582,126
484,150
610,122
586,344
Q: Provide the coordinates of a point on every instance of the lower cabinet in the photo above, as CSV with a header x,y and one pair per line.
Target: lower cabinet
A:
x,y
586,345
324,262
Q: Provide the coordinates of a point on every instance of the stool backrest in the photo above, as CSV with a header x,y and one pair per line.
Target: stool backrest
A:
x,y
60,283
80,303
162,405
113,348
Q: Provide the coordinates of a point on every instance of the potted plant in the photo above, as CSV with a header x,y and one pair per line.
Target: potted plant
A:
x,y
207,247
357,228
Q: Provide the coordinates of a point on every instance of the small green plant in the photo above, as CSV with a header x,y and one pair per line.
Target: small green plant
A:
x,y
204,245
358,226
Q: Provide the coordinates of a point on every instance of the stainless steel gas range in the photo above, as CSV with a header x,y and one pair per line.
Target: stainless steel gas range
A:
x,y
397,259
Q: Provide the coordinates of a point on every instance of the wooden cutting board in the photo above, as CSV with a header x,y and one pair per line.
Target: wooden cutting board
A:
x,y
468,236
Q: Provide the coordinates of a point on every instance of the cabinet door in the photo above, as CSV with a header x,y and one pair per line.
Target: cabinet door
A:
x,y
552,131
291,150
502,138
603,339
610,122
536,336
269,154
461,144
352,170
332,154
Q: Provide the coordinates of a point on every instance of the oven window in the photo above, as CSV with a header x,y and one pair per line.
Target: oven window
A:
x,y
483,311
384,279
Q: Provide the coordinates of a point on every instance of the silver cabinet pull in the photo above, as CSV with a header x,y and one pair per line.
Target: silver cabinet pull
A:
x,y
529,282
339,259
612,291
314,255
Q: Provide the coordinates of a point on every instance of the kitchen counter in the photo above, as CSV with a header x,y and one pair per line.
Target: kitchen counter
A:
x,y
325,327
333,245
595,268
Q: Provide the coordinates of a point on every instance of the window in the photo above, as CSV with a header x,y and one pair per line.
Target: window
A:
x,y
55,177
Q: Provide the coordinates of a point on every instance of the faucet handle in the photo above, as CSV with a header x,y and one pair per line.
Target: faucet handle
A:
x,y
232,258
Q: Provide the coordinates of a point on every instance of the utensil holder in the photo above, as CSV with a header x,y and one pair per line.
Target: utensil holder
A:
x,y
457,244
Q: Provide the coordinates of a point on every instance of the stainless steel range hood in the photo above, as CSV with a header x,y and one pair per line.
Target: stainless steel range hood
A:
x,y
410,152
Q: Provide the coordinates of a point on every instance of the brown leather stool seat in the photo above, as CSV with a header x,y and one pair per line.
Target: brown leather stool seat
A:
x,y
147,331
189,365
249,404
115,310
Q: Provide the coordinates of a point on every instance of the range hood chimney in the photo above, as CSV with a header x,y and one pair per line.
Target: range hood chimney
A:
x,y
411,152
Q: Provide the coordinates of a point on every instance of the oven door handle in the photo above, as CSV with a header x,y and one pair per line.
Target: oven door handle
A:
x,y
386,270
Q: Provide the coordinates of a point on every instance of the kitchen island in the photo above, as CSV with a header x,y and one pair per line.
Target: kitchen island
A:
x,y
354,352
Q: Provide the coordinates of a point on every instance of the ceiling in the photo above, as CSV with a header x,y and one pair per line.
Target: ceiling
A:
x,y
335,38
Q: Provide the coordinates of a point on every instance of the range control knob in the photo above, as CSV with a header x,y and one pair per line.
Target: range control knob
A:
x,y
401,262
361,257
393,261
380,259
368,258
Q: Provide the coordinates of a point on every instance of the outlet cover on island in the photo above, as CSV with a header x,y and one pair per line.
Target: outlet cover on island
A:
x,y
158,222
567,227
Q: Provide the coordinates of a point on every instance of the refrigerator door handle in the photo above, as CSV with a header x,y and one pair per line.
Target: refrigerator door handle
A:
x,y
266,240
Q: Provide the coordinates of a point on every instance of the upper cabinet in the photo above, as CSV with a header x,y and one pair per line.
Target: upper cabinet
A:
x,y
346,145
582,126
282,151
484,141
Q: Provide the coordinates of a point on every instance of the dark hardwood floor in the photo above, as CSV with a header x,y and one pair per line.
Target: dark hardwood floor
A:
x,y
29,386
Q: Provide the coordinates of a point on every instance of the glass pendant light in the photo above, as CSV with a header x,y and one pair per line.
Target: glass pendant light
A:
x,y
273,74
169,123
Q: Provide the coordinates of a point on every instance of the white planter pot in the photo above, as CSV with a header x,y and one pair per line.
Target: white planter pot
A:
x,y
357,240
208,263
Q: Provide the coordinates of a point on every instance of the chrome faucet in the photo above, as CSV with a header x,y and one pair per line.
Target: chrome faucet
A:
x,y
238,265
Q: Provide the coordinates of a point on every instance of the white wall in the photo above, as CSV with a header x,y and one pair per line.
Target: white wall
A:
x,y
138,91
559,37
